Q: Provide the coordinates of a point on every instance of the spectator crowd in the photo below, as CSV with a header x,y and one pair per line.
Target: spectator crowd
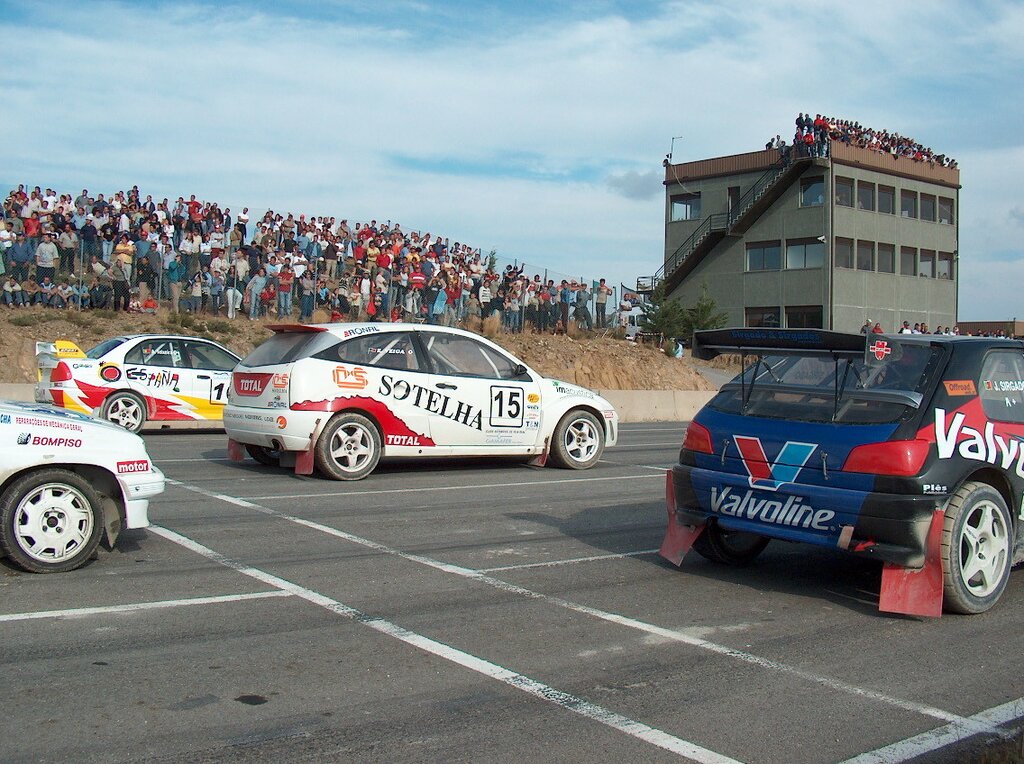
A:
x,y
126,253
813,137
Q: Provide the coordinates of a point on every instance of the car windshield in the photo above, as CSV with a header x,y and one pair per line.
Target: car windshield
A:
x,y
103,348
283,347
823,387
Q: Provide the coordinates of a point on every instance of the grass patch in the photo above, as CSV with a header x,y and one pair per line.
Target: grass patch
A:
x,y
34,319
78,319
105,313
220,326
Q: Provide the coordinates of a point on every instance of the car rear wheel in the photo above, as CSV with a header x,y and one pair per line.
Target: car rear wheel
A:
x,y
349,448
578,441
51,521
268,456
126,410
727,547
976,549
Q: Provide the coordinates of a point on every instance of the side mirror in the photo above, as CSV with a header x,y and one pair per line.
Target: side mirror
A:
x,y
520,370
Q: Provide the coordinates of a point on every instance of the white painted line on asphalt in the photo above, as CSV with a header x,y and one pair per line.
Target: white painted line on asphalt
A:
x,y
179,461
675,443
571,561
632,623
471,486
81,612
636,466
514,679
933,740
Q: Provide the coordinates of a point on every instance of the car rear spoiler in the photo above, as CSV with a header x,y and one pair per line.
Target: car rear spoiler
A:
x,y
711,343
49,354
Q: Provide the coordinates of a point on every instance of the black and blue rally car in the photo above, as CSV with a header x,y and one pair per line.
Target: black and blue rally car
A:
x,y
908,449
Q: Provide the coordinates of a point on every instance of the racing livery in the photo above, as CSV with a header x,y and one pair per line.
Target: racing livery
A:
x,y
341,396
129,380
66,480
907,449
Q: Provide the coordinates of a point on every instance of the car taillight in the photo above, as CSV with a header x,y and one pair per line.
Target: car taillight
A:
x,y
60,373
893,457
698,438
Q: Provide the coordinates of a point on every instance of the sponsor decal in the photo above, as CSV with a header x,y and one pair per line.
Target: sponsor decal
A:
x,y
403,440
267,419
771,475
110,373
791,512
432,401
934,488
392,351
280,381
960,387
81,365
277,403
609,414
136,465
1004,385
532,424
350,378
31,421
880,349
355,332
562,389
281,423
977,445
5,418
250,385
533,398
153,378
27,439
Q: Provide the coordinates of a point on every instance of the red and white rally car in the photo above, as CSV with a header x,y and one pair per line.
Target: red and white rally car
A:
x,y
341,396
131,379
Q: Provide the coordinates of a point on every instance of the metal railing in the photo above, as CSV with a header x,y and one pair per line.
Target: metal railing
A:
x,y
716,222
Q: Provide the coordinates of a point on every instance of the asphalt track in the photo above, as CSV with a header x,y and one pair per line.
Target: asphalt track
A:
x,y
477,611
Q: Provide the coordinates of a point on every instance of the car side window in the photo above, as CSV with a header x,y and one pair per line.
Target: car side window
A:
x,y
1001,387
203,355
455,355
388,350
164,353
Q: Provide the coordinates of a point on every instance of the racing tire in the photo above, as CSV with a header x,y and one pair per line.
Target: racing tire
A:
x,y
126,410
578,441
735,548
349,448
268,457
977,549
51,521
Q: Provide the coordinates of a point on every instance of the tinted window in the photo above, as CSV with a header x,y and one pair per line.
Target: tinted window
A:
x,y
284,347
459,356
388,350
1002,386
165,353
203,355
103,348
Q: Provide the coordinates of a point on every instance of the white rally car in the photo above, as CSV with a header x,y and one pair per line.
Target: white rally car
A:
x,y
65,481
131,379
341,396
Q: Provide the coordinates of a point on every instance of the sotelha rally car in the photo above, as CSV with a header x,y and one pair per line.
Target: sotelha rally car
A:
x,y
339,397
906,449
66,481
137,378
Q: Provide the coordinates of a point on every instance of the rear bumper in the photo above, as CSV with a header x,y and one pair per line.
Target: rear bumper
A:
x,y
278,429
888,527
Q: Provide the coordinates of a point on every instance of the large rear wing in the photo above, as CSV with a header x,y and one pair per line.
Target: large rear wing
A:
x,y
49,354
743,341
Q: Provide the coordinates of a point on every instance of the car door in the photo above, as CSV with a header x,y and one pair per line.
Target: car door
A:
x,y
155,368
212,367
482,401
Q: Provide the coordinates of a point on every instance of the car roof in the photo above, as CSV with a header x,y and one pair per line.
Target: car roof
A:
x,y
367,327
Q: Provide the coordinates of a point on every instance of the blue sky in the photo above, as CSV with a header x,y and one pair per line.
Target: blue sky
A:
x,y
533,128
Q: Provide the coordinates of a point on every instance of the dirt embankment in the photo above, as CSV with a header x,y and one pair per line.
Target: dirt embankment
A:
x,y
595,362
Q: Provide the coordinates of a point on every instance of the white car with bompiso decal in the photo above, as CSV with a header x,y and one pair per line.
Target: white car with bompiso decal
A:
x,y
342,396
129,380
66,480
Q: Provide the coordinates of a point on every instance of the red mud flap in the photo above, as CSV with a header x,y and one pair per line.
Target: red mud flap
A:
x,y
916,592
541,459
678,537
304,459
235,451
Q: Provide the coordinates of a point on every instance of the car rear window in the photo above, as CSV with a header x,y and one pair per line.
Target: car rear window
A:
x,y
832,388
103,348
283,347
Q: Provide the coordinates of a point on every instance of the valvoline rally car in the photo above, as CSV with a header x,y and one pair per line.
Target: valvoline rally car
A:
x,y
908,449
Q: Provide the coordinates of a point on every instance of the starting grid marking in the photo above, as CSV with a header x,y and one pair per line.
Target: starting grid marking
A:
x,y
957,728
81,612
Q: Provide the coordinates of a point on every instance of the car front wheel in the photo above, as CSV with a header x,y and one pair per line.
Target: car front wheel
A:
x,y
348,448
578,441
51,521
976,549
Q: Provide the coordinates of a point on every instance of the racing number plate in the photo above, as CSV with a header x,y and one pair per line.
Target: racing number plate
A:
x,y
507,407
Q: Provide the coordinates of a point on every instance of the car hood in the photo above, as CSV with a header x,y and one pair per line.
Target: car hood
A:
x,y
17,412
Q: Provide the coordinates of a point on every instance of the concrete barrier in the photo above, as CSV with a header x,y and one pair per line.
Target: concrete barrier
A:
x,y
632,405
